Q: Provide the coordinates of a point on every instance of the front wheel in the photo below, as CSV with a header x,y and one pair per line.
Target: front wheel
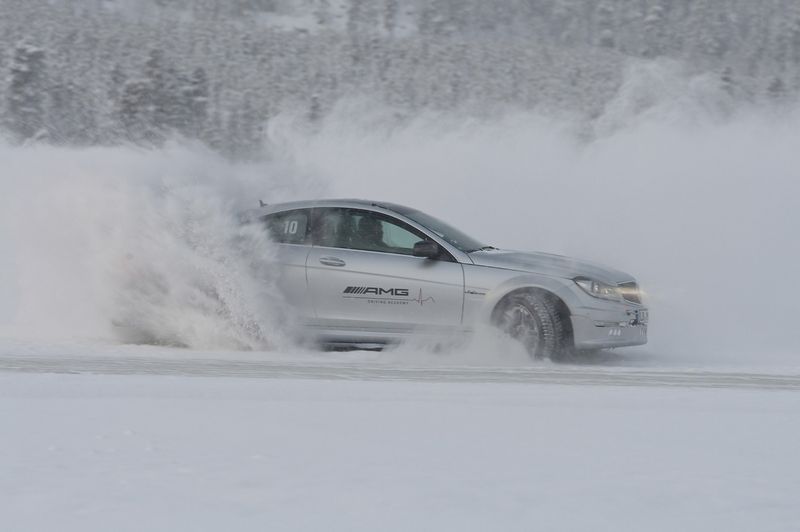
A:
x,y
533,319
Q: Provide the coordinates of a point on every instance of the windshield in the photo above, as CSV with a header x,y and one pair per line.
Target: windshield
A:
x,y
446,232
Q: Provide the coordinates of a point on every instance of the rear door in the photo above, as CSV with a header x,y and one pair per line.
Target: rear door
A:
x,y
362,275
291,231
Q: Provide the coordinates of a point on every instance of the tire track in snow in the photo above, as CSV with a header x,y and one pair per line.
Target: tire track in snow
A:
x,y
267,369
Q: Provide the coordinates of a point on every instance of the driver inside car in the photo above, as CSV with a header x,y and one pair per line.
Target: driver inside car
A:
x,y
369,234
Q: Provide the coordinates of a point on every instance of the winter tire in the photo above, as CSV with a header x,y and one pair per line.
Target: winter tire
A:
x,y
533,319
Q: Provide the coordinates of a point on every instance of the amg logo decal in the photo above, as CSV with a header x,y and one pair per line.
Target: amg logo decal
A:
x,y
386,296
376,291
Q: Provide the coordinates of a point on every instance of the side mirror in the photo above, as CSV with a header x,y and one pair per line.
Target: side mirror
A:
x,y
427,249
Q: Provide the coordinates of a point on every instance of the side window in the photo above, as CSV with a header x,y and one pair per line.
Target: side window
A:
x,y
288,227
364,230
332,228
398,239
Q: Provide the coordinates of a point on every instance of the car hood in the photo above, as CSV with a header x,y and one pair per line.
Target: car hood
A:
x,y
548,264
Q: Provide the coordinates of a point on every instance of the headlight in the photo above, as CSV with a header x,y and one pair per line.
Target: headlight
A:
x,y
599,289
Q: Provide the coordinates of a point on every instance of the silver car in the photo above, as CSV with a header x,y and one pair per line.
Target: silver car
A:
x,y
366,273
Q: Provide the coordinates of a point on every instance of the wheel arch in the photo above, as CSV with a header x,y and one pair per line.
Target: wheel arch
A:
x,y
557,289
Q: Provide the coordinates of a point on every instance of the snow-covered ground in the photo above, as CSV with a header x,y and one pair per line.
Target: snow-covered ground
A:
x,y
90,452
243,430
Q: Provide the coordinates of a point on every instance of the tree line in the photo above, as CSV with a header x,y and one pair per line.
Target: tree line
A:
x,y
108,72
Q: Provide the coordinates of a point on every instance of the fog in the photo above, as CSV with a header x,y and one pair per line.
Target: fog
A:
x,y
701,209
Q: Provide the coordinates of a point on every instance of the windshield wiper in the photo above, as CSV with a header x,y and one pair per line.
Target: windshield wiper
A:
x,y
484,248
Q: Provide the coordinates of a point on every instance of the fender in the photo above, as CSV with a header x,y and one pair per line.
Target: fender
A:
x,y
558,286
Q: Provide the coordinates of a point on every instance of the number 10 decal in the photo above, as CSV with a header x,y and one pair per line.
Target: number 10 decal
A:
x,y
290,227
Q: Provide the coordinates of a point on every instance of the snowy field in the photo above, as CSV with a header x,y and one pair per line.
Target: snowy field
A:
x,y
138,438
243,430
84,452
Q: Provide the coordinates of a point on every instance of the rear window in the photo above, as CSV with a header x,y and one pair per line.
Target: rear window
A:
x,y
289,227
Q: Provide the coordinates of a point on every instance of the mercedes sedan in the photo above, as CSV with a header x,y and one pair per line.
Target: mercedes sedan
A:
x,y
369,273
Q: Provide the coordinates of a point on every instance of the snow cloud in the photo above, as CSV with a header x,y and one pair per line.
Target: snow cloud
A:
x,y
124,244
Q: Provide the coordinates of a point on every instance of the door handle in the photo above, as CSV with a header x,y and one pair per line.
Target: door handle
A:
x,y
331,261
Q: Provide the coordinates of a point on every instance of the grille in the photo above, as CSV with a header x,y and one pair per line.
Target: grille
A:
x,y
630,292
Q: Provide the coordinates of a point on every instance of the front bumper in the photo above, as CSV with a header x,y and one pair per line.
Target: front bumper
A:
x,y
606,329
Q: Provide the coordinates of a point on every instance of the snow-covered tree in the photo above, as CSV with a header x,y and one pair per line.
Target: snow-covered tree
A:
x,y
794,39
69,120
26,93
135,111
146,70
322,12
390,14
654,31
197,100
605,24
154,93
776,91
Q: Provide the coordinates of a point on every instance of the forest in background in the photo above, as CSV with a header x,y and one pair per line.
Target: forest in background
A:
x,y
106,72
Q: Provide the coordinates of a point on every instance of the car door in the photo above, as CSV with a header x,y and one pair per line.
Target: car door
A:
x,y
291,232
362,275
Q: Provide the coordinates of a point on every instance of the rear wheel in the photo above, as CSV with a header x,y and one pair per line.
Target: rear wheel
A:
x,y
534,319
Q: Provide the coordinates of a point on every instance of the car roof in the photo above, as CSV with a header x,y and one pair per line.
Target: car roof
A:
x,y
343,202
